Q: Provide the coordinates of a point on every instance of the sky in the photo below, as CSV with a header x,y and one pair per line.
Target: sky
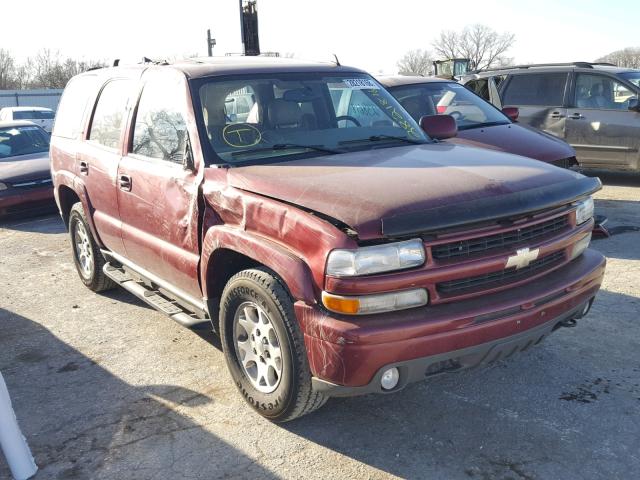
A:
x,y
371,34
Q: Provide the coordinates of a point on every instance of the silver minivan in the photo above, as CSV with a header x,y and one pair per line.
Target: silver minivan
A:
x,y
592,106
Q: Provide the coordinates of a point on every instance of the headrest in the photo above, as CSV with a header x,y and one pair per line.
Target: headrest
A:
x,y
283,114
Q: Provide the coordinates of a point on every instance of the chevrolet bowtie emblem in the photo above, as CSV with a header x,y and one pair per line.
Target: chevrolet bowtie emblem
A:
x,y
522,258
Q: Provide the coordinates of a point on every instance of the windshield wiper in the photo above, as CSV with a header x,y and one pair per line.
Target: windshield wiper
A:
x,y
286,146
377,138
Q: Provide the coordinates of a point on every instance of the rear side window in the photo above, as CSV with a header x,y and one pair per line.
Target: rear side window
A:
x,y
43,115
480,87
160,128
23,115
536,89
73,106
109,116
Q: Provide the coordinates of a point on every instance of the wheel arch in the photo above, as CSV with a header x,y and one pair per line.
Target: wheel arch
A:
x,y
228,251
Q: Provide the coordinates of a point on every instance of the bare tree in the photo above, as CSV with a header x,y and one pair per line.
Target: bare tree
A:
x,y
7,70
415,62
626,58
481,44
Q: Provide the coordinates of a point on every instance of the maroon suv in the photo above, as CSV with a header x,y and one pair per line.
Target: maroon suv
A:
x,y
335,247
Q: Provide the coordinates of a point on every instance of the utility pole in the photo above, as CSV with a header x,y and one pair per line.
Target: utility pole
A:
x,y
211,42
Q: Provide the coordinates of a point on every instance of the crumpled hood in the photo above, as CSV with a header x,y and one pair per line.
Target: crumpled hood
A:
x,y
519,139
25,168
361,188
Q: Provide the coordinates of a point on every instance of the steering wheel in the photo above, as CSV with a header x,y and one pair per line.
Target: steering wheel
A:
x,y
350,118
456,115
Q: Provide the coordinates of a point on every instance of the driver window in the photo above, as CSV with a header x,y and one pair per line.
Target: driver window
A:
x,y
601,92
160,129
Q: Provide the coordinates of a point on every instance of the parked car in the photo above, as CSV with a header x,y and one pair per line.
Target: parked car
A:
x,y
25,178
479,123
594,107
43,117
335,253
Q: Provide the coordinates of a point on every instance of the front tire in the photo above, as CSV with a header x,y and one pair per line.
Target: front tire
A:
x,y
264,348
86,254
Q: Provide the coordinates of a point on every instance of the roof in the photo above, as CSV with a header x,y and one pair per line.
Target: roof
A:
x,y
17,123
391,81
231,65
28,109
552,67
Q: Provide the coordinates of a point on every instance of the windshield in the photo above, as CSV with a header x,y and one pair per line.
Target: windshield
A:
x,y
277,117
633,77
438,98
16,141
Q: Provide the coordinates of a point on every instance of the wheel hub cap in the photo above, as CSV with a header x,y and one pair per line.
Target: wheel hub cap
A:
x,y
83,249
258,347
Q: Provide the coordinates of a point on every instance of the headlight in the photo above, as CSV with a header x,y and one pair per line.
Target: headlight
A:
x,y
385,302
584,212
580,246
3,186
375,259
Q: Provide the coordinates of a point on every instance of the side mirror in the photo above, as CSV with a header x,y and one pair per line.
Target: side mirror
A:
x,y
187,159
512,112
634,104
439,127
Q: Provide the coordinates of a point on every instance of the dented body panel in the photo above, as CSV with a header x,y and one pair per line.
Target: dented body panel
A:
x,y
196,224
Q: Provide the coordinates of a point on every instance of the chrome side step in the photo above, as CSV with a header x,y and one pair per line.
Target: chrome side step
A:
x,y
152,297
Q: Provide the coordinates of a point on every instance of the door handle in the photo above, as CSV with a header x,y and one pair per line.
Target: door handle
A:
x,y
125,183
84,168
557,115
576,116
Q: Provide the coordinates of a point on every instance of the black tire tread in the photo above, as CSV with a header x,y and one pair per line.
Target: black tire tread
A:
x,y
101,282
307,400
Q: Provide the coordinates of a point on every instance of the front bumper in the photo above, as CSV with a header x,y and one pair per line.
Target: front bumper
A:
x,y
449,362
14,201
347,355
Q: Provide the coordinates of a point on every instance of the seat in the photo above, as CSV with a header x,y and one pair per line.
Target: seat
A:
x,y
418,106
283,114
582,98
597,97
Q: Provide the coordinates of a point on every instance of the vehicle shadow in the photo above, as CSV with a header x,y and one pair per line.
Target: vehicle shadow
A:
x,y
539,414
616,179
624,227
81,421
50,223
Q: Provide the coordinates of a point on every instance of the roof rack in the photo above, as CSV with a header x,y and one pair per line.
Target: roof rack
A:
x,y
533,65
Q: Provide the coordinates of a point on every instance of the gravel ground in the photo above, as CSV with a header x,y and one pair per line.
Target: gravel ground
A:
x,y
105,387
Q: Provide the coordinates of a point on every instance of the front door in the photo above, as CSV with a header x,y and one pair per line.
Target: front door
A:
x,y
600,126
540,98
157,195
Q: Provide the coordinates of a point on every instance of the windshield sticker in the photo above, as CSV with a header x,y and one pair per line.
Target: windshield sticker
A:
x,y
241,135
360,84
397,117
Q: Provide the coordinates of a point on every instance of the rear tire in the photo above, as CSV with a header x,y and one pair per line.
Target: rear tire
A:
x,y
264,348
86,254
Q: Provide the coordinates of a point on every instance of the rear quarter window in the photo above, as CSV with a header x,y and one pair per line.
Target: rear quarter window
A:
x,y
544,89
73,106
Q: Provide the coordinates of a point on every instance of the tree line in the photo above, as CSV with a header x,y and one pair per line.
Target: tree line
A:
x,y
486,48
46,69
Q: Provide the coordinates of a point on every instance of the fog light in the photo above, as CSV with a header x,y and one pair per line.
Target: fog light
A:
x,y
390,378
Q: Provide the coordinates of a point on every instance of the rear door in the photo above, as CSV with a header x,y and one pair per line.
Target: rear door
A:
x,y
157,192
98,156
540,98
600,126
